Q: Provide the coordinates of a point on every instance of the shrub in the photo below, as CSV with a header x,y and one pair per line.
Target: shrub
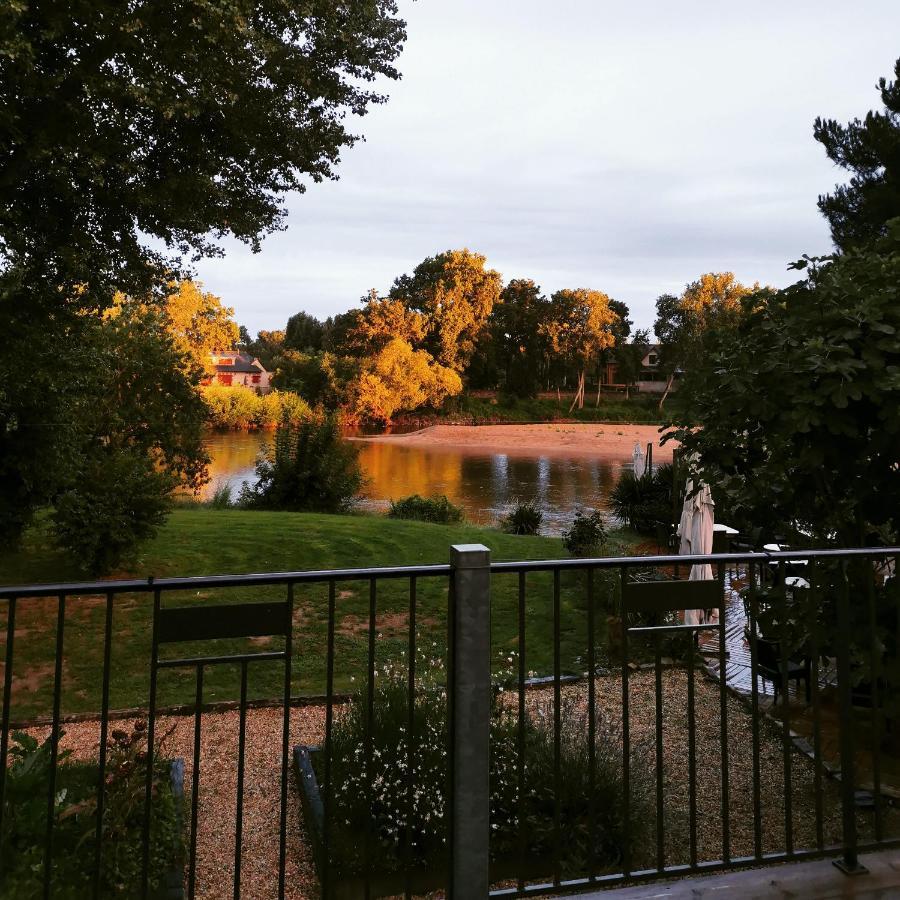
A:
x,y
75,814
387,816
586,536
524,518
426,509
222,497
311,468
642,501
118,500
241,407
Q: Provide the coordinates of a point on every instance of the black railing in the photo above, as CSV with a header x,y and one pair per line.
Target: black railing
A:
x,y
602,681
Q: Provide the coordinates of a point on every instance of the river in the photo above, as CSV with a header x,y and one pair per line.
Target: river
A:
x,y
483,482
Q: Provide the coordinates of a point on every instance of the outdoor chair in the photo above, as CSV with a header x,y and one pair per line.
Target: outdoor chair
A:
x,y
665,537
770,666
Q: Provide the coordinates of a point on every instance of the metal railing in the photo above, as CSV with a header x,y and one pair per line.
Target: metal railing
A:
x,y
847,656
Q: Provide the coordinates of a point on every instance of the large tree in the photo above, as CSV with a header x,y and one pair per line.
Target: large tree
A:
x,y
579,326
303,332
199,324
682,323
870,151
515,329
132,135
455,293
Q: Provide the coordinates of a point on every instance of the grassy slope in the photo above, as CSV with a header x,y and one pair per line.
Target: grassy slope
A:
x,y
203,541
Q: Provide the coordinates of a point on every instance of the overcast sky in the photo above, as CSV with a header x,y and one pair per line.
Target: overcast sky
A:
x,y
623,147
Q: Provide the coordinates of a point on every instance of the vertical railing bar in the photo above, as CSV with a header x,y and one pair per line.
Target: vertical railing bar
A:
x,y
723,725
410,736
692,758
876,709
626,735
520,737
104,725
850,860
370,735
451,732
329,749
285,741
195,782
660,811
54,745
151,737
7,700
754,713
557,735
786,718
592,728
816,700
239,814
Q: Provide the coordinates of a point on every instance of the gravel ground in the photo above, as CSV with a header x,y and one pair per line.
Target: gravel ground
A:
x,y
262,781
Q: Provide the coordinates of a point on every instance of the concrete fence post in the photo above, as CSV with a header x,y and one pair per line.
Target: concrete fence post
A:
x,y
470,711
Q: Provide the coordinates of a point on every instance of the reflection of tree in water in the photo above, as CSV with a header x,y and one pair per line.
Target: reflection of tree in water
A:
x,y
483,484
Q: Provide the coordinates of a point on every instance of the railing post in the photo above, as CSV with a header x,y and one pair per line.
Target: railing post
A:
x,y
470,710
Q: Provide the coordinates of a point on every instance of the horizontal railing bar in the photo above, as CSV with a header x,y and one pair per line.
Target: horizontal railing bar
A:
x,y
208,581
326,575
217,660
644,629
705,867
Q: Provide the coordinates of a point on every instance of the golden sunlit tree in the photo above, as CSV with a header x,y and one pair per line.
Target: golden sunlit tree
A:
x,y
199,324
580,325
713,300
382,320
398,378
455,294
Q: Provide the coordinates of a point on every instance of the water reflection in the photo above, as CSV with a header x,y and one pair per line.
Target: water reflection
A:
x,y
482,482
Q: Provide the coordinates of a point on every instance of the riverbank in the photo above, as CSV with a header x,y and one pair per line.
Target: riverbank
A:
x,y
598,441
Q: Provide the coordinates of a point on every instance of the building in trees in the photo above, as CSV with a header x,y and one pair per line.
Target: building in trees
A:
x,y
232,368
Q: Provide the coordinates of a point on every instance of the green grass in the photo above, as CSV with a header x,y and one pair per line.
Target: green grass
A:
x,y
205,542
640,409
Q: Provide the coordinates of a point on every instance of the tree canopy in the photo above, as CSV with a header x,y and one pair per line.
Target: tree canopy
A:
x,y
869,150
795,412
455,294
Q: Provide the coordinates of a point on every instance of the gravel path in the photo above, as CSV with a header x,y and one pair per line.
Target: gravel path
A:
x,y
262,781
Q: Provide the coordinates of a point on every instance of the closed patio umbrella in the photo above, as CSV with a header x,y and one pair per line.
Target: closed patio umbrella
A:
x,y
637,458
697,520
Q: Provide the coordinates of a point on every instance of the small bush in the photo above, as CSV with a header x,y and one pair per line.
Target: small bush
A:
x,y
241,407
310,469
587,535
119,500
75,819
524,518
222,497
426,509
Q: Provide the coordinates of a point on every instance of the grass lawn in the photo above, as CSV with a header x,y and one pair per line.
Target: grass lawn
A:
x,y
205,542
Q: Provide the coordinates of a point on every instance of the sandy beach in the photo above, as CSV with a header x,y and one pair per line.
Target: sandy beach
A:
x,y
596,439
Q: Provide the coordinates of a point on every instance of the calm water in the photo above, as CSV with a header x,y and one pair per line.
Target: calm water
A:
x,y
483,483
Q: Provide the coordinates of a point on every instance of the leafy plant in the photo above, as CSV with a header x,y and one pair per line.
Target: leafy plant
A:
x,y
393,816
642,501
22,839
426,509
222,497
311,468
586,536
524,518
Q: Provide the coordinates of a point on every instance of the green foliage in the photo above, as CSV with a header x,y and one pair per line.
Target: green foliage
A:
x,y
119,500
795,415
642,501
524,518
303,332
426,509
455,293
75,820
586,536
222,497
311,468
516,335
858,212
394,750
241,407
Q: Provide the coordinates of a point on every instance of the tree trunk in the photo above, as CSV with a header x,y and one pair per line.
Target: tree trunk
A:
x,y
579,393
666,391
599,385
